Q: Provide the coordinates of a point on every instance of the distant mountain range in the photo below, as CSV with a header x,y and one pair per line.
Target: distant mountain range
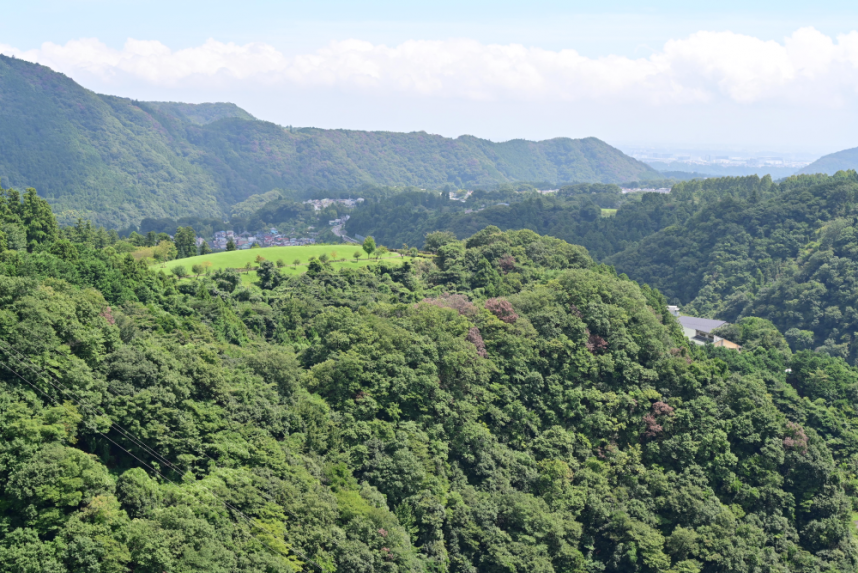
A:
x,y
834,162
116,160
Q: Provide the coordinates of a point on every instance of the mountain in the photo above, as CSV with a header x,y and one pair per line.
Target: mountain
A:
x,y
116,160
834,162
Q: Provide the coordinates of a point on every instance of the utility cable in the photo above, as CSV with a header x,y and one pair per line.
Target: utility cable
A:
x,y
130,436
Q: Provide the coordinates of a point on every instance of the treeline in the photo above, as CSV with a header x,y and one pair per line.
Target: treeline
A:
x,y
727,247
508,406
573,214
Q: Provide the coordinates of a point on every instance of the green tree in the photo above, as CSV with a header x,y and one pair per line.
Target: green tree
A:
x,y
269,276
356,255
280,264
185,241
230,244
136,239
198,269
38,219
165,251
369,246
179,271
296,262
205,249
381,251
438,239
65,250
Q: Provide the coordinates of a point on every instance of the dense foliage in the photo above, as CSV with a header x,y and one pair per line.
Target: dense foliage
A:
x,y
786,254
509,407
727,248
116,161
573,213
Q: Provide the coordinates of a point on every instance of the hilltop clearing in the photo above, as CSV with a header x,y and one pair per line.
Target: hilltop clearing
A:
x,y
338,257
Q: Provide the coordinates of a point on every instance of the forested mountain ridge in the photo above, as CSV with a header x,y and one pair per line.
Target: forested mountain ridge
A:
x,y
507,407
116,161
785,253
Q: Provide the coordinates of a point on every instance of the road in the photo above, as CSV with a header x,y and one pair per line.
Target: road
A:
x,y
338,231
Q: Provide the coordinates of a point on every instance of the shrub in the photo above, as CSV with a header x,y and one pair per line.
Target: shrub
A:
x,y
501,308
475,338
457,302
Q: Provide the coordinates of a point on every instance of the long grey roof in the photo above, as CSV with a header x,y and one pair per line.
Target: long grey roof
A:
x,y
704,324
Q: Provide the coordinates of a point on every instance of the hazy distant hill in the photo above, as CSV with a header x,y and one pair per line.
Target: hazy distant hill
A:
x,y
834,162
723,170
117,160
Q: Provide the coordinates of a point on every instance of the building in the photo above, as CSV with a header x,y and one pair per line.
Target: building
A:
x,y
724,343
699,331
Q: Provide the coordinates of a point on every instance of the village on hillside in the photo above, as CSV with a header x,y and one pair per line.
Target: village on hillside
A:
x,y
270,238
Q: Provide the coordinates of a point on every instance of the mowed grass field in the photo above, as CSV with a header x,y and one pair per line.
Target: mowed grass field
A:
x,y
239,259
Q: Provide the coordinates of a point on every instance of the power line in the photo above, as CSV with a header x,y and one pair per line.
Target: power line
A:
x,y
240,513
130,436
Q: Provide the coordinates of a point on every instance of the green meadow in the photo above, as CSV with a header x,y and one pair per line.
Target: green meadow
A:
x,y
239,259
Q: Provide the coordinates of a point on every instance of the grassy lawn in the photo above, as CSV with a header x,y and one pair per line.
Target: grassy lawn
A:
x,y
609,212
238,259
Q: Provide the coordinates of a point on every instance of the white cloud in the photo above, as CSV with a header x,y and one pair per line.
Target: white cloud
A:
x,y
808,67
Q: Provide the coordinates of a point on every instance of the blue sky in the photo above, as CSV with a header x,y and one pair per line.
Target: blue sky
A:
x,y
596,28
748,74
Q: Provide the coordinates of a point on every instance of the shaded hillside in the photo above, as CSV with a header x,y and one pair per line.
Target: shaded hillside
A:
x,y
786,253
117,160
94,156
834,162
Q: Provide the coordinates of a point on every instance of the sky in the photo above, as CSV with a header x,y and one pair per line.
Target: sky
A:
x,y
760,76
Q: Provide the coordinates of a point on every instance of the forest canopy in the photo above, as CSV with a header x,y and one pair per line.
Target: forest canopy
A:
x,y
507,405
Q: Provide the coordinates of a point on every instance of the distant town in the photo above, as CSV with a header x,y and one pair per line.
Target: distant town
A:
x,y
319,204
270,238
274,238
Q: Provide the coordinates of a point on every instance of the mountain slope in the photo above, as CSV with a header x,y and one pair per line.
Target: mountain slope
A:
x,y
785,254
92,155
117,160
834,162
